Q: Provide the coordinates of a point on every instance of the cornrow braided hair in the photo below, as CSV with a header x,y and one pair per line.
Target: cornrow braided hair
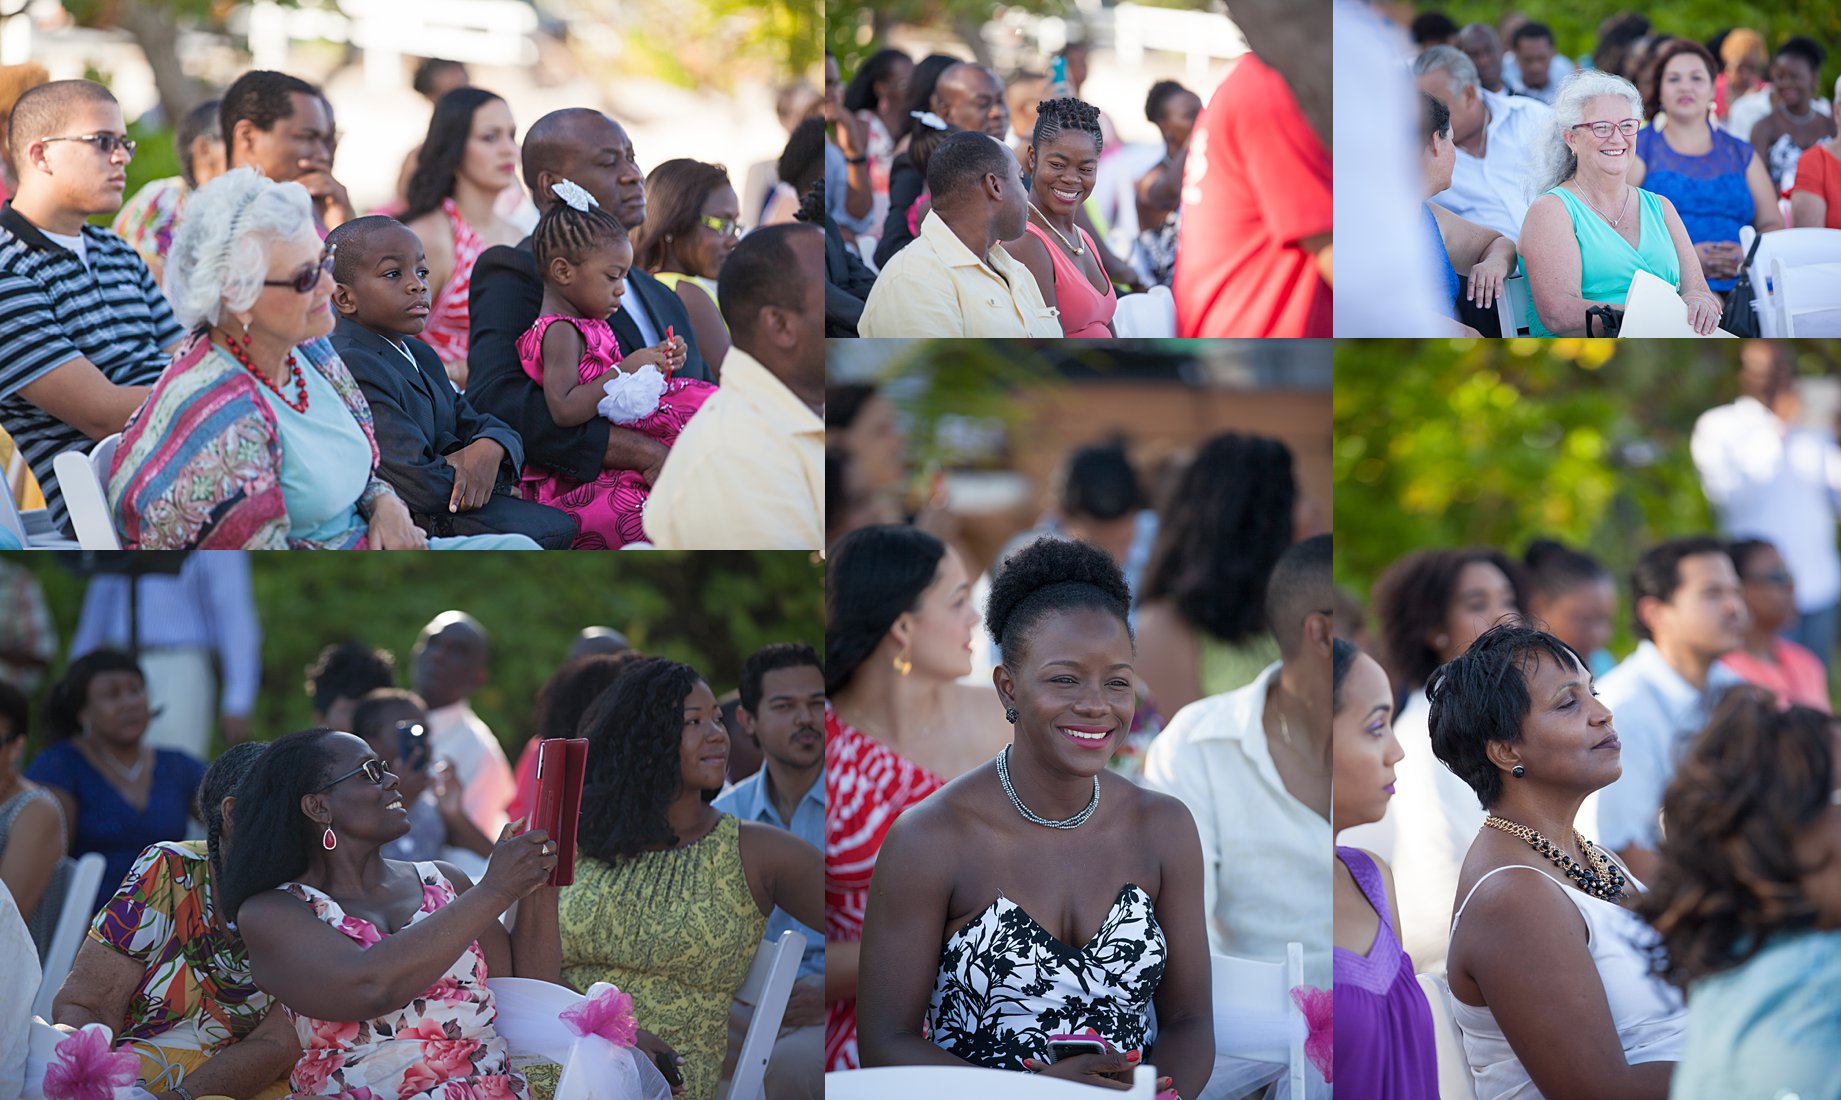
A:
x,y
572,234
1055,115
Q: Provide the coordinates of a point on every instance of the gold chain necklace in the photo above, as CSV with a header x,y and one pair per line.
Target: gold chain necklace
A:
x,y
1076,249
1601,880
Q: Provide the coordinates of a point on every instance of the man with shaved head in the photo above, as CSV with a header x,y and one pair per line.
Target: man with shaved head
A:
x,y
1484,48
588,148
84,330
448,665
968,96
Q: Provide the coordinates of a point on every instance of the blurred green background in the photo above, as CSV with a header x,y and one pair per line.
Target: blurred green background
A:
x,y
708,609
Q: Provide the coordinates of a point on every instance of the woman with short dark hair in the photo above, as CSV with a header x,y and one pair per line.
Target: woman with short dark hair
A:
x,y
1549,970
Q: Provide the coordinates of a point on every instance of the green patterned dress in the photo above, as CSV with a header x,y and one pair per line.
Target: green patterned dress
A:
x,y
677,930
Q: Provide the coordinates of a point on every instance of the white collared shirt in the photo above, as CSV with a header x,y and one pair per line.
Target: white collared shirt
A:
x,y
459,736
1265,855
1768,480
1492,190
1655,712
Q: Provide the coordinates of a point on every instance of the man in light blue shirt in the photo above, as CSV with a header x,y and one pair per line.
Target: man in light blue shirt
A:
x,y
783,708
1690,610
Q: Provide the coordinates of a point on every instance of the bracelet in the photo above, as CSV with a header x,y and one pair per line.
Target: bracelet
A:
x,y
183,1092
857,160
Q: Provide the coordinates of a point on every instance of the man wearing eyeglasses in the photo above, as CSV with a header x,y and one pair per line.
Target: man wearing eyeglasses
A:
x,y
1494,133
84,330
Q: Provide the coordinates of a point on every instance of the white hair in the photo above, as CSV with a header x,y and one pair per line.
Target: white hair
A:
x,y
219,256
1460,71
1553,160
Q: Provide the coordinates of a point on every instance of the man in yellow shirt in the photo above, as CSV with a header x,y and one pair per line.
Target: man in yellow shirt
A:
x,y
953,279
748,471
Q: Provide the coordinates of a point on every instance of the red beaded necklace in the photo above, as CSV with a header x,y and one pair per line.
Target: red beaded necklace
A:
x,y
240,354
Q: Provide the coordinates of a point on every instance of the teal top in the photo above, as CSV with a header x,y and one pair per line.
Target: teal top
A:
x,y
1769,1028
1607,263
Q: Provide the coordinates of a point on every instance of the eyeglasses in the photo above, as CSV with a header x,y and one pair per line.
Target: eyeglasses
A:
x,y
728,227
309,277
106,144
1602,130
373,770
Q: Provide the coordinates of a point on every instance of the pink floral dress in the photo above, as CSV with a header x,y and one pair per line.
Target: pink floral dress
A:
x,y
610,508
440,1046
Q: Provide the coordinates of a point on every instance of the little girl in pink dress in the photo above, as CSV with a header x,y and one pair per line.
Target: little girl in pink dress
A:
x,y
582,256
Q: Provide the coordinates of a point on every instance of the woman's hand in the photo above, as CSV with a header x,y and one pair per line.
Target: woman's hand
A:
x,y
1703,310
391,528
519,863
1719,259
667,1059
1108,1071
1486,280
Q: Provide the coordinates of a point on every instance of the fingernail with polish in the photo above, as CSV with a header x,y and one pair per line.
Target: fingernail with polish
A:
x,y
1133,1055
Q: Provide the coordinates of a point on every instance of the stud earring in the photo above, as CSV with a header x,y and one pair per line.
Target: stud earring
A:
x,y
329,841
1010,715
1518,771
904,664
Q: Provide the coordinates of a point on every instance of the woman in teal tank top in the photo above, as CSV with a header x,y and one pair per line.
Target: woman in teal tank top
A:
x,y
1591,231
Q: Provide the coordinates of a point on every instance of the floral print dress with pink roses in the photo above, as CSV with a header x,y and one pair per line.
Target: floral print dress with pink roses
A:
x,y
440,1046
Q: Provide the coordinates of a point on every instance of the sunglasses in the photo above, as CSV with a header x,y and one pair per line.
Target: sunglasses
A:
x,y
728,227
106,144
308,277
373,770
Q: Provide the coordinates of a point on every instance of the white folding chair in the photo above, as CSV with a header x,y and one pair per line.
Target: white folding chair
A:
x,y
73,922
1796,248
1512,307
1150,316
82,477
592,1069
1262,1023
1806,298
1454,1082
767,987
971,1083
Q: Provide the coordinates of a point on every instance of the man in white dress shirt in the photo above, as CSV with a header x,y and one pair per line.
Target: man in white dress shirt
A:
x,y
1494,136
1253,766
1768,479
447,667
1689,612
1531,67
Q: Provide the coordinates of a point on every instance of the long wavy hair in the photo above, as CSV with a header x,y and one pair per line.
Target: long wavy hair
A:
x,y
675,193
272,834
1555,162
634,732
443,149
1751,782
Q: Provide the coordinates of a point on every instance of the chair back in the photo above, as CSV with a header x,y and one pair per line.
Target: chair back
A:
x,y
1261,991
526,1018
82,477
1149,316
1512,307
972,1083
767,987
1454,1081
73,921
1795,248
1806,297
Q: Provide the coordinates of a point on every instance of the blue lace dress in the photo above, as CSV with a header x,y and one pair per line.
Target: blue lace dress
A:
x,y
1442,269
1709,191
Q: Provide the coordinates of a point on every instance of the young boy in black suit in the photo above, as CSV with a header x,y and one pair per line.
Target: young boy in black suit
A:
x,y
455,468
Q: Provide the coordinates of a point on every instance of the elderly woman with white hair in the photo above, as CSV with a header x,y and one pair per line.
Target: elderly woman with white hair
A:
x,y
256,436
1591,230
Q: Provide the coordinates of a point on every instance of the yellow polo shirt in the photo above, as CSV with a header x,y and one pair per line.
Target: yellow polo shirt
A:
x,y
937,287
748,472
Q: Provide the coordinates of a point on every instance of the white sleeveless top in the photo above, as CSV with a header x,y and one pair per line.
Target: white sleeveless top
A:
x,y
1647,1012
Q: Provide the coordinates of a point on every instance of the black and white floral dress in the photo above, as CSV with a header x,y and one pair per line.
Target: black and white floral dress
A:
x,y
1005,985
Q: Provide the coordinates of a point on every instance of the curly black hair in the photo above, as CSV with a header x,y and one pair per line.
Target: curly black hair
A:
x,y
443,149
348,670
1053,116
572,234
71,692
220,782
1413,599
1162,93
635,730
771,658
1224,526
272,833
876,574
812,205
1482,696
1049,576
566,696
1729,881
1808,49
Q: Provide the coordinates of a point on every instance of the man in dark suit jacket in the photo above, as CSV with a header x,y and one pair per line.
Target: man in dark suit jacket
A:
x,y
590,149
455,468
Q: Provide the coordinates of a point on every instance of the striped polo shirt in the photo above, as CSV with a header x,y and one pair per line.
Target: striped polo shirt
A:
x,y
53,310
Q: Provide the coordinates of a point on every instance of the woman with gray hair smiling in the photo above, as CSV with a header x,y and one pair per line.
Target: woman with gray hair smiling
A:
x,y
256,437
1591,230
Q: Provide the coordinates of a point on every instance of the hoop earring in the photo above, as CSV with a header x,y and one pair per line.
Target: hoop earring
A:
x,y
1518,771
328,841
904,663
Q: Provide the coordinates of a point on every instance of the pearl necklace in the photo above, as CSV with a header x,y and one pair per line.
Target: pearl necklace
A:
x,y
1079,819
240,353
1076,249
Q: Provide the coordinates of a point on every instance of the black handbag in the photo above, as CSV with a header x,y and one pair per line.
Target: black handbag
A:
x,y
1610,318
1741,315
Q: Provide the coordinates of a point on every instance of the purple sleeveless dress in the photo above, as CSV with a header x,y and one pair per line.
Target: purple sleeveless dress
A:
x,y
1384,1045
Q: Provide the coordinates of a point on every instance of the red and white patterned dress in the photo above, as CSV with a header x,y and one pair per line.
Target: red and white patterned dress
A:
x,y
448,328
867,786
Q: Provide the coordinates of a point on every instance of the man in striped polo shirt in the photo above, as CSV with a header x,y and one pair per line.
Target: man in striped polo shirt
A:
x,y
84,331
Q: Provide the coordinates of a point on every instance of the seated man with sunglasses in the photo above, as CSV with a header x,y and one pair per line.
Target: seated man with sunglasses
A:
x,y
84,330
256,437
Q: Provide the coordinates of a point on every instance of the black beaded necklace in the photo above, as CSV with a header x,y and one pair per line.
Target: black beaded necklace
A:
x,y
1603,879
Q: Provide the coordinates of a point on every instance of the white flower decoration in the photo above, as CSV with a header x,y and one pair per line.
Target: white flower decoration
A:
x,y
928,119
574,194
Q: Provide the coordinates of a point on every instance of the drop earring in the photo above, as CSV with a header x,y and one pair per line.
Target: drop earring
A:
x,y
904,663
328,841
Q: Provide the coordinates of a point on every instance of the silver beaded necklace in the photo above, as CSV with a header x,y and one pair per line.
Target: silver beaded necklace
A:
x,y
1003,776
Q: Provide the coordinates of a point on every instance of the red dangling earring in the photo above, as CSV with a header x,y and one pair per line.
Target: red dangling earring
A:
x,y
329,842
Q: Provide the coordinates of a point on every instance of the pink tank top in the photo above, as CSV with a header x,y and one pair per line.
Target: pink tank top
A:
x,y
447,329
1084,311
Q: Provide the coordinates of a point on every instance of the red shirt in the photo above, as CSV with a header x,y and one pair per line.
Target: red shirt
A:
x,y
1257,182
1797,677
1819,173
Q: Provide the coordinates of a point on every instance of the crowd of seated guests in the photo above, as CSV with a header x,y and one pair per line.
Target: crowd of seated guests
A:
x,y
391,405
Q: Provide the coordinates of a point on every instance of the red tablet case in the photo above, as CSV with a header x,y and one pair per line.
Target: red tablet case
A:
x,y
561,765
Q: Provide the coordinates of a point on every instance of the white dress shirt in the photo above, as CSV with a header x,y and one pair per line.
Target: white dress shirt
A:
x,y
459,737
1492,190
1557,70
1771,481
1265,855
1655,712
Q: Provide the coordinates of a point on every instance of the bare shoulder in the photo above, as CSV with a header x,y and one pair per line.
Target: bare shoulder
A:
x,y
456,878
433,231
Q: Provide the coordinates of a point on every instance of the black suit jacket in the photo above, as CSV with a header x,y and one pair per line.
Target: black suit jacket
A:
x,y
505,297
419,418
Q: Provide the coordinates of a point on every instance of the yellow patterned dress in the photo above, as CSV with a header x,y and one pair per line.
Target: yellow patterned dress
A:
x,y
677,930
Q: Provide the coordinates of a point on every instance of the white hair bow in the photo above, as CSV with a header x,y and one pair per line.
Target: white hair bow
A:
x,y
928,119
574,194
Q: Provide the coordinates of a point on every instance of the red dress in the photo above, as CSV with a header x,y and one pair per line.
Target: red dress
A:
x,y
867,786
448,325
